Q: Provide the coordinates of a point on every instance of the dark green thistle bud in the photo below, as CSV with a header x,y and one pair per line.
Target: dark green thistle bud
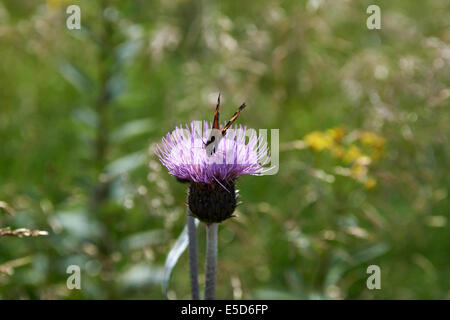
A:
x,y
211,202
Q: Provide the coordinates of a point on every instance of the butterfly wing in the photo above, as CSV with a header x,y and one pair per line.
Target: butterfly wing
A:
x,y
215,123
225,128
233,118
216,115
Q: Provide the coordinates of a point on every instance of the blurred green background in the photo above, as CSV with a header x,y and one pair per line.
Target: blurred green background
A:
x,y
364,145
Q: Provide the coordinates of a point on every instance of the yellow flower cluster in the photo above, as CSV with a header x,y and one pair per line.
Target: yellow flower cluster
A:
x,y
320,141
375,142
349,149
55,4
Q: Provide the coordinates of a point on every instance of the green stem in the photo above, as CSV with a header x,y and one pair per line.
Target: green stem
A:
x,y
211,260
193,268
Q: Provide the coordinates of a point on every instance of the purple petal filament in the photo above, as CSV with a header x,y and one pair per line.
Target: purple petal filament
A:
x,y
238,153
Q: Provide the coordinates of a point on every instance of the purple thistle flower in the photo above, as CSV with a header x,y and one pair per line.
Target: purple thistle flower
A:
x,y
212,195
183,153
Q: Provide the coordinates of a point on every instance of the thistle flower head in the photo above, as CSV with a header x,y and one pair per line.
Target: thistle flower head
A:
x,y
212,175
183,153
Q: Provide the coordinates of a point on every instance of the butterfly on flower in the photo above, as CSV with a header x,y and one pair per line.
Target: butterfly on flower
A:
x,y
217,133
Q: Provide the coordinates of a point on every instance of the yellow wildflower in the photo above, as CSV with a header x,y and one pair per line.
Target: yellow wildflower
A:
x,y
338,151
318,141
371,139
370,183
352,154
359,172
55,4
337,133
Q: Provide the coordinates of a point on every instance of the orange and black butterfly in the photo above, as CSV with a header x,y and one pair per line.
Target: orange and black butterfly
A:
x,y
223,131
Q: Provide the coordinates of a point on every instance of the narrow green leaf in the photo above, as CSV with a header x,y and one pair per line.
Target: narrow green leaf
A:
x,y
77,77
174,254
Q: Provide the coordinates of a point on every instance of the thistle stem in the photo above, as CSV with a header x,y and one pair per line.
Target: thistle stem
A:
x,y
193,269
211,260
